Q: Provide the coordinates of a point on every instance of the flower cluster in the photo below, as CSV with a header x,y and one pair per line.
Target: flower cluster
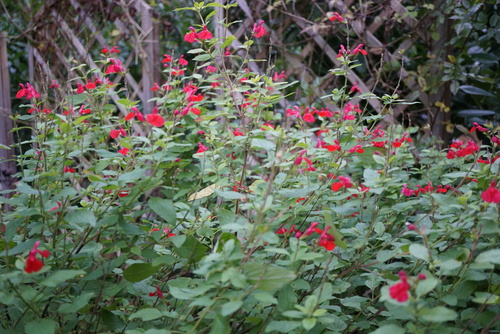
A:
x,y
344,52
193,36
459,149
343,182
425,189
325,240
27,92
32,263
300,159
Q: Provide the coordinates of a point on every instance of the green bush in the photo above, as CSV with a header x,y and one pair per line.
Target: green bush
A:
x,y
224,212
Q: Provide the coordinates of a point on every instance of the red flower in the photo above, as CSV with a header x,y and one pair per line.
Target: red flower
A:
x,y
183,61
28,92
123,193
336,17
68,169
115,133
54,84
205,34
237,132
135,113
190,37
326,240
166,59
354,88
115,49
154,119
210,69
343,182
492,194
357,148
32,263
259,30
123,151
399,291
360,50
156,293
201,148
115,67
308,117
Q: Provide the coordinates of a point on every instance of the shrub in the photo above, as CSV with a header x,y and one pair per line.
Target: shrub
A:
x,y
225,212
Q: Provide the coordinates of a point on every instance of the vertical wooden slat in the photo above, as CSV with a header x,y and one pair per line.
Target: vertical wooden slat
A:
x,y
7,166
150,55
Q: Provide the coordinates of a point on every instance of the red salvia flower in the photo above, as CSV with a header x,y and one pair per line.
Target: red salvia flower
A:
x,y
259,30
156,293
336,17
115,67
28,92
492,194
326,240
399,291
205,34
68,169
154,119
32,263
201,148
191,36
123,151
115,133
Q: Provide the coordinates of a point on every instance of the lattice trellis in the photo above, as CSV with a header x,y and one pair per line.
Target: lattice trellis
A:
x,y
145,38
146,41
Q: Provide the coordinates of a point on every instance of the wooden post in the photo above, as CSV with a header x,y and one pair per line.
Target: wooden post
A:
x,y
150,56
7,165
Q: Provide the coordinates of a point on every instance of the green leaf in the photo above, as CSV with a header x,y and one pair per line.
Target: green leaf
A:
x,y
139,271
475,113
133,175
229,194
228,41
308,323
267,277
231,307
41,326
164,208
83,217
61,276
490,256
297,193
202,57
112,320
77,99
191,249
147,314
392,329
263,143
78,303
22,247
188,293
26,189
220,325
438,314
475,91
282,326
419,251
425,286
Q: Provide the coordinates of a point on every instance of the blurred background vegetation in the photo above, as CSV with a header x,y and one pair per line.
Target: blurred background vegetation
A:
x,y
443,54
